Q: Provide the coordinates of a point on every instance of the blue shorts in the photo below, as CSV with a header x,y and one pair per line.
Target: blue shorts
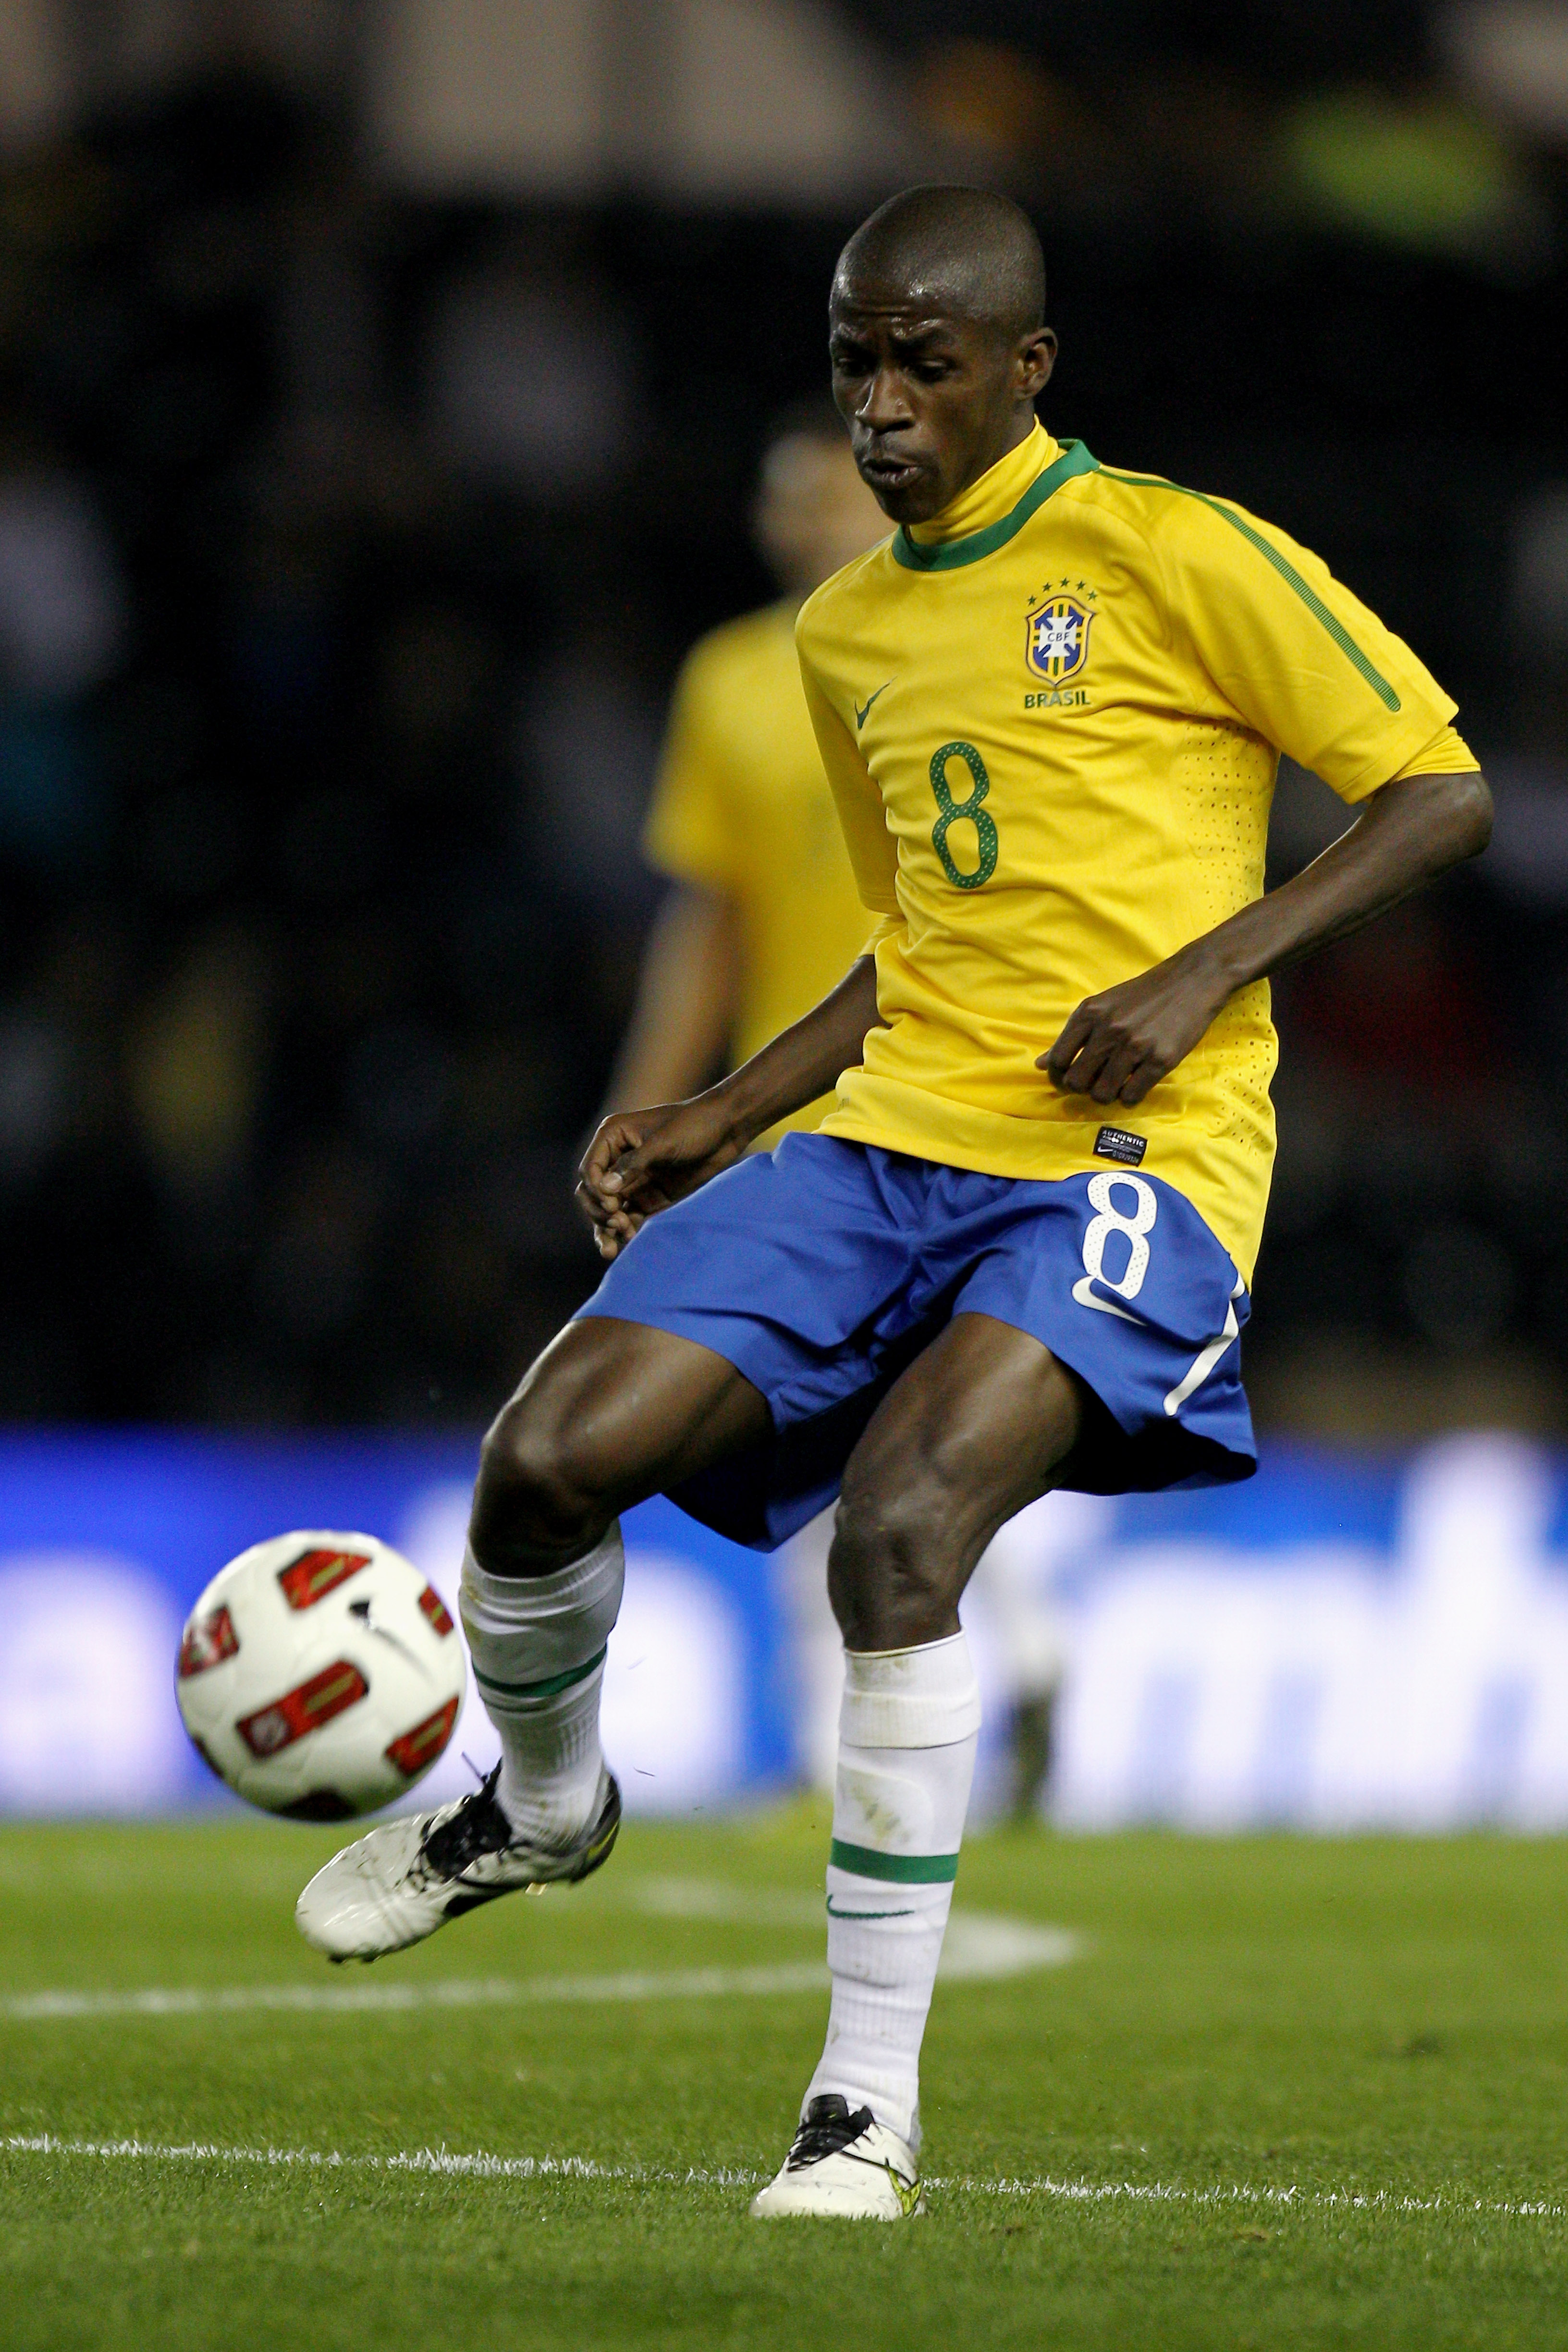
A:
x,y
822,1269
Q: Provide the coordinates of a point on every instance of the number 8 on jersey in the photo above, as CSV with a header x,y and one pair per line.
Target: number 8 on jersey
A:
x,y
952,810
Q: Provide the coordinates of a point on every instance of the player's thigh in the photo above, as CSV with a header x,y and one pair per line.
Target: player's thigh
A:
x,y
610,1412
972,1432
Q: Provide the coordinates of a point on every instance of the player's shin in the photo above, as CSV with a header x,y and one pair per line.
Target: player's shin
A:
x,y
538,1650
907,1735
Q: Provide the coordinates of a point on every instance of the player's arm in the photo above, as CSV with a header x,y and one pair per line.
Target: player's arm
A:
x,y
641,1161
685,1009
1119,1043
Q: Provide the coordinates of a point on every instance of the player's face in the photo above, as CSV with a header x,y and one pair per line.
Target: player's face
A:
x,y
932,399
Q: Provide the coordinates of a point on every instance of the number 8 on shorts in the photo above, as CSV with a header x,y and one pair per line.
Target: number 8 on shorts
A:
x,y
1111,1220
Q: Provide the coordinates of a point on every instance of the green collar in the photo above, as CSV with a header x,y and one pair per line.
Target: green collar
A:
x,y
946,555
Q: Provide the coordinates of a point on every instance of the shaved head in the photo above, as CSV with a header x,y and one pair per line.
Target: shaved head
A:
x,y
961,251
938,343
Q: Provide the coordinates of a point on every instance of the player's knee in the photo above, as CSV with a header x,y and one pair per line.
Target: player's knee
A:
x,y
541,1490
894,1574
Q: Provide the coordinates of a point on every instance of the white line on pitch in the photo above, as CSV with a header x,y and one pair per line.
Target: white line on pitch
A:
x,y
453,1993
483,2167
418,2160
980,1947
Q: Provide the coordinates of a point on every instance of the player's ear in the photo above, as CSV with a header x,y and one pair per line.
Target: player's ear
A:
x,y
1036,356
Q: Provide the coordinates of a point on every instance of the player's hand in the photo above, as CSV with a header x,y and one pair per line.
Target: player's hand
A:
x,y
641,1161
1119,1043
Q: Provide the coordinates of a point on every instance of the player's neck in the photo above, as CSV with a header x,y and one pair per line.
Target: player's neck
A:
x,y
992,494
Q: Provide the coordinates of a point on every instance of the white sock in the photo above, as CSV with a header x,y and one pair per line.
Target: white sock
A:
x,y
908,1733
538,1648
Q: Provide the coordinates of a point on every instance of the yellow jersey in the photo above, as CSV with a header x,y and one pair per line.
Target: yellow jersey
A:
x,y
743,808
1051,721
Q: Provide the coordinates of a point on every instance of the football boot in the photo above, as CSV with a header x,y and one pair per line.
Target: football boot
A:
x,y
408,1878
844,2166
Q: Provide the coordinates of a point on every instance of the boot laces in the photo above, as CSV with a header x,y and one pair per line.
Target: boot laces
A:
x,y
476,1827
828,2124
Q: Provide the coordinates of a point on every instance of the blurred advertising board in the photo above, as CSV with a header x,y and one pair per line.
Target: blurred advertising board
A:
x,y
106,1541
1342,1643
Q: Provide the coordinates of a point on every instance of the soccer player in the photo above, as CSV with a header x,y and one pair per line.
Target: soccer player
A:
x,y
762,918
1016,1255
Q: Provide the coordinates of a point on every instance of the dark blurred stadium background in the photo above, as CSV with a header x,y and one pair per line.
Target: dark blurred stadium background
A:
x,y
380,389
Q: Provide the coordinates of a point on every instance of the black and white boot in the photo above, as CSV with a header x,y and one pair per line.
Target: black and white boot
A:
x,y
844,2166
408,1878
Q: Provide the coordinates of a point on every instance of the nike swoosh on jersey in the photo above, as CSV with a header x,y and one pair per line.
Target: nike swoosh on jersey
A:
x,y
860,716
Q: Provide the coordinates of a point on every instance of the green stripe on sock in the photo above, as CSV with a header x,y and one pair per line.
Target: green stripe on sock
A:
x,y
899,1869
547,1688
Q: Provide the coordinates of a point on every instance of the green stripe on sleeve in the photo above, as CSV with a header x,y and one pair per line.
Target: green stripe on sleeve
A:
x,y
898,1869
546,1689
1336,628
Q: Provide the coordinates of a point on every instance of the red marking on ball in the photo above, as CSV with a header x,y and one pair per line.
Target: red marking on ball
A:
x,y
315,1573
272,1728
208,1641
435,1609
414,1750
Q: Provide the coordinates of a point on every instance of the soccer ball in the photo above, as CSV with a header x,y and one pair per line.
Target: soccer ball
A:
x,y
320,1675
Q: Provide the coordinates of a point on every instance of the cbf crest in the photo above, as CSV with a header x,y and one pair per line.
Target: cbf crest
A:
x,y
1057,638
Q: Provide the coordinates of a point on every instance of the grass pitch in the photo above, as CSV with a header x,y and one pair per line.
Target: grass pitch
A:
x,y
1288,2094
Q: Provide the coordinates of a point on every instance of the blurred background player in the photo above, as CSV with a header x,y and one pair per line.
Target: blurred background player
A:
x,y
763,917
760,921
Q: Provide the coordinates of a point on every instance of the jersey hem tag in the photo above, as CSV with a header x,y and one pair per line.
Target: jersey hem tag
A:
x,y
1119,1144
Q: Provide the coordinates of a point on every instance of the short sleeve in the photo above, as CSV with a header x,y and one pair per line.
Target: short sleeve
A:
x,y
1448,754
1302,661
689,833
873,854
